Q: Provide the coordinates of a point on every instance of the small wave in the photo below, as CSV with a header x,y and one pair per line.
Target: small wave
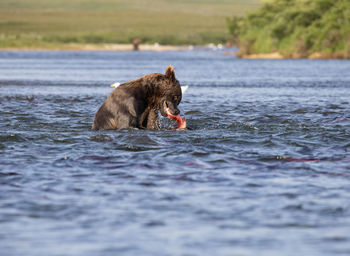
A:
x,y
101,138
12,137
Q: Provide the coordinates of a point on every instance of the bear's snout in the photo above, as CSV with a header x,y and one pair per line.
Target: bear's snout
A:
x,y
172,108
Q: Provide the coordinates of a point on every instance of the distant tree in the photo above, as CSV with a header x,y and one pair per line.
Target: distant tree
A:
x,y
295,28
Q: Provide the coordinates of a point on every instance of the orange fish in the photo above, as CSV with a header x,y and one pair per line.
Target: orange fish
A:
x,y
181,122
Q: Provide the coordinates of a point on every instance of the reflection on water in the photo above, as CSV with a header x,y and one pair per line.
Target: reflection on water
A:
x,y
264,170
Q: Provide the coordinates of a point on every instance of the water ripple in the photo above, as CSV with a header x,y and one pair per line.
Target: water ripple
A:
x,y
267,153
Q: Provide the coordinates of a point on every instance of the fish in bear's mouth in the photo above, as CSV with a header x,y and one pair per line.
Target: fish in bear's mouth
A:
x,y
181,122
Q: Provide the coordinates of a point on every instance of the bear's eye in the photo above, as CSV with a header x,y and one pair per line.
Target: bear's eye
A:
x,y
177,99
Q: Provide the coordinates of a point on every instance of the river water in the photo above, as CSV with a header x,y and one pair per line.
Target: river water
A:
x,y
265,169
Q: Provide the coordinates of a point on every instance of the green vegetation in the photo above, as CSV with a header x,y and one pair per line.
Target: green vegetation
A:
x,y
295,28
59,23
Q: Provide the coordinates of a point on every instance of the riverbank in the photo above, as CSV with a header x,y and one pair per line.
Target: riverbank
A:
x,y
104,47
277,55
159,47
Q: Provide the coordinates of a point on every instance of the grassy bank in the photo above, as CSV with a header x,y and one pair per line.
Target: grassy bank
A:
x,y
295,29
56,23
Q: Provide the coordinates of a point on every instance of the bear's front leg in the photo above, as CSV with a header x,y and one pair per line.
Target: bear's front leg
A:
x,y
153,121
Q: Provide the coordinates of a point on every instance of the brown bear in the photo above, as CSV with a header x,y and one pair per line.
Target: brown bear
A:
x,y
133,104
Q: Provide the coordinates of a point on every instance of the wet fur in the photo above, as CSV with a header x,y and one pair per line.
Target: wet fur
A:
x,y
133,104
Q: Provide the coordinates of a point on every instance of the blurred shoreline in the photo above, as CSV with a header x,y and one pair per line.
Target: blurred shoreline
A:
x,y
160,48
102,47
278,56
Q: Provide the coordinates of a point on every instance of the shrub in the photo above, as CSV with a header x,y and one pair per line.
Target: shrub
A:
x,y
294,26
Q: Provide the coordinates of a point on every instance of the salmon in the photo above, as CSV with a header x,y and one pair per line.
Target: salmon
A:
x,y
181,122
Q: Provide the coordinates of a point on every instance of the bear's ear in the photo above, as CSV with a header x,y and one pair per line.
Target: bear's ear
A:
x,y
170,73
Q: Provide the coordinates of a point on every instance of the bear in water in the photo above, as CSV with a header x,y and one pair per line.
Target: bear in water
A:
x,y
133,104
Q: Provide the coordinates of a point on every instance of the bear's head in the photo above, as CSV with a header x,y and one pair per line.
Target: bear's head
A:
x,y
169,92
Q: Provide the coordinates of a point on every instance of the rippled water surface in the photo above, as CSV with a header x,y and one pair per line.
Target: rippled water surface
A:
x,y
265,169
